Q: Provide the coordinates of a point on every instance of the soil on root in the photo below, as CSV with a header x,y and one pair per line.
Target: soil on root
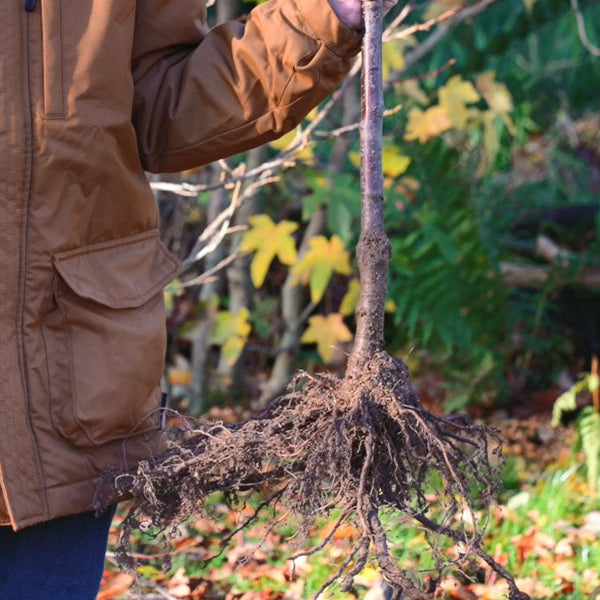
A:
x,y
363,444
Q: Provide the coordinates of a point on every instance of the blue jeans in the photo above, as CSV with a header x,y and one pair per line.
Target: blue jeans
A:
x,y
62,559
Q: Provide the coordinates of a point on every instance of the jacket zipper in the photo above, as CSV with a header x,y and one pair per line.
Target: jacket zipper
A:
x,y
30,5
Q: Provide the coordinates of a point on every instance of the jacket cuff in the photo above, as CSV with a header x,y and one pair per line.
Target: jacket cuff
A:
x,y
325,26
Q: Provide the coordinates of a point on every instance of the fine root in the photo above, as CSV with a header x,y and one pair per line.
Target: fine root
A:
x,y
363,444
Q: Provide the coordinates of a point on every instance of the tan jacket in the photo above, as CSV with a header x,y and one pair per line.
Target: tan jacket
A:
x,y
92,92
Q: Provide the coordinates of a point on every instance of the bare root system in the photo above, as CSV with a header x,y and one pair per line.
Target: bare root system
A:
x,y
363,444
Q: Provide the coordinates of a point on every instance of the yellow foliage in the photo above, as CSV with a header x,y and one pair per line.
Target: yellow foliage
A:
x,y
350,299
454,98
327,332
425,125
324,257
392,56
394,162
268,240
230,331
497,96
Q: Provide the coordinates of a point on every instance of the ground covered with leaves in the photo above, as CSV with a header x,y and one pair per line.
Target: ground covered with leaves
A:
x,y
544,530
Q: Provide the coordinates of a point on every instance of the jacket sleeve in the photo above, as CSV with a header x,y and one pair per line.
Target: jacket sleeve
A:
x,y
202,94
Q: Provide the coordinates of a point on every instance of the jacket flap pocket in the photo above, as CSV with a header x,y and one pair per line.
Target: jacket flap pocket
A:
x,y
123,273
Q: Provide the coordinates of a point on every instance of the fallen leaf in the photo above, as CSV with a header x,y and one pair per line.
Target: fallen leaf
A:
x,y
489,591
178,584
114,584
533,542
564,548
533,588
455,589
345,531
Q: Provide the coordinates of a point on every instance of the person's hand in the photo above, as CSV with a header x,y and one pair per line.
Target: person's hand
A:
x,y
349,11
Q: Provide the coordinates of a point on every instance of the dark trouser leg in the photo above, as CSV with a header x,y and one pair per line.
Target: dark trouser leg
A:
x,y
62,559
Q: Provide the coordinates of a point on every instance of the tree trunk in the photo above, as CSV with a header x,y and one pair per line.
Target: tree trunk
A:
x,y
373,251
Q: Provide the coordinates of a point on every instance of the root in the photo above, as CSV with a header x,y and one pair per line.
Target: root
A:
x,y
363,443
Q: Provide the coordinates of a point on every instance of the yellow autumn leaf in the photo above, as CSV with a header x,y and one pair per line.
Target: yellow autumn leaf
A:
x,y
394,162
323,258
425,125
350,298
454,97
327,332
230,331
392,55
268,240
497,96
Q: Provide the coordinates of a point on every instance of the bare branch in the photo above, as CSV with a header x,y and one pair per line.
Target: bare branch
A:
x,y
583,36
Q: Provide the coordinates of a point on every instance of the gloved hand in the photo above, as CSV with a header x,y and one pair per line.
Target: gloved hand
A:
x,y
349,11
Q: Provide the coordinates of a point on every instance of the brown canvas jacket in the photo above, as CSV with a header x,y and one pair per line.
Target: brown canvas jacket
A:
x,y
92,92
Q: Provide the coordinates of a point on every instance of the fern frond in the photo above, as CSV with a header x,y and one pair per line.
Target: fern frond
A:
x,y
566,402
588,425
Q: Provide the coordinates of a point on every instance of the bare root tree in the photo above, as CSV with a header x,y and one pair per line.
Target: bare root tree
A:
x,y
363,444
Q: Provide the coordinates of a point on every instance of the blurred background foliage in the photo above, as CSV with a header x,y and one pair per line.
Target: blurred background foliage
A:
x,y
492,172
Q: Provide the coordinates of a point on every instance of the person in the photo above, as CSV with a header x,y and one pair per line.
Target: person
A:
x,y
92,94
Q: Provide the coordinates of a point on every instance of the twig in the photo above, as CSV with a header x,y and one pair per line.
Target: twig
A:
x,y
206,276
397,78
110,556
583,36
400,35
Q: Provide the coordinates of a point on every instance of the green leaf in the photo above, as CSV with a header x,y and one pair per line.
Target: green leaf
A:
x,y
339,218
589,431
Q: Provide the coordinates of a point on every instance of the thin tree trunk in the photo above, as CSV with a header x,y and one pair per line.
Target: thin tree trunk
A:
x,y
200,347
373,251
241,290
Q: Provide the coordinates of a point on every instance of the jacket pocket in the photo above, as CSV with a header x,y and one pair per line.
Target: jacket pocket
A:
x,y
52,58
105,338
